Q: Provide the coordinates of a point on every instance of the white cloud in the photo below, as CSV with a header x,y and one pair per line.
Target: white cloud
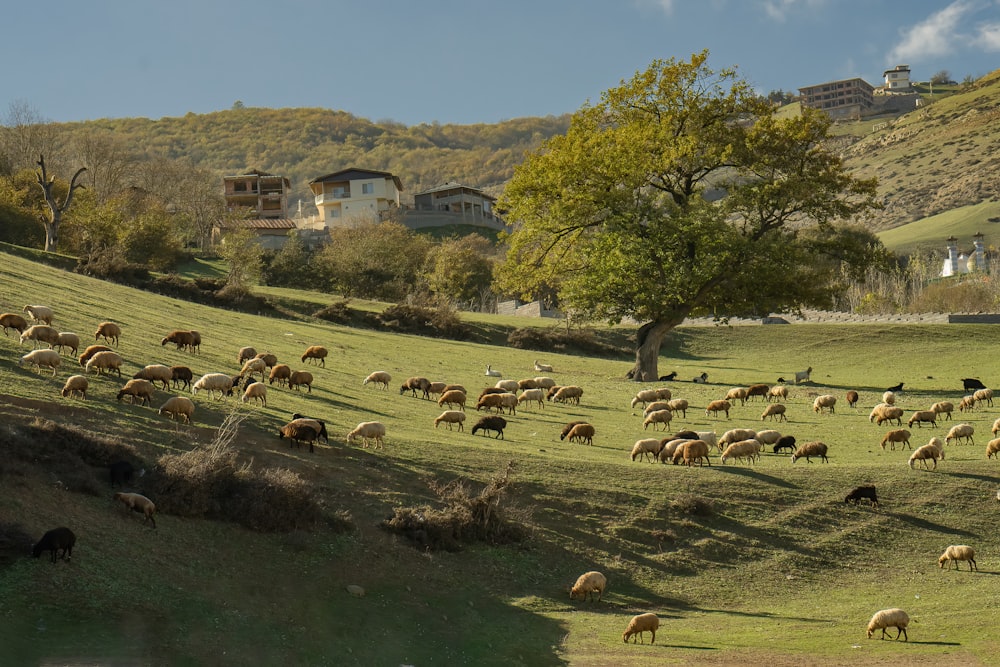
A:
x,y
937,35
988,36
779,9
666,6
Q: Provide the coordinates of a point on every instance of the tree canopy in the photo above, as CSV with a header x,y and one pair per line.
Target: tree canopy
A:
x,y
682,193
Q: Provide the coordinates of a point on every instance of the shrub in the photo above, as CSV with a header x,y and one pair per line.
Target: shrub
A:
x,y
440,322
687,503
557,340
339,312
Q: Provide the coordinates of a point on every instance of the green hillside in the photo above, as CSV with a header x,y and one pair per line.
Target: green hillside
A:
x,y
749,564
962,223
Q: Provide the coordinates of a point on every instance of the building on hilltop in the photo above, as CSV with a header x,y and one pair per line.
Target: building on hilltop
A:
x,y
839,99
453,204
897,78
349,197
264,195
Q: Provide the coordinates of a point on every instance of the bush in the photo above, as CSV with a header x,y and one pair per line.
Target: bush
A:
x,y
440,322
557,340
690,504
339,312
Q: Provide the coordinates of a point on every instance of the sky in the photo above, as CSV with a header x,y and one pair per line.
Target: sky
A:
x,y
454,61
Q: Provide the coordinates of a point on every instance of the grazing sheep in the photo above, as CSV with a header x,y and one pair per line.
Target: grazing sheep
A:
x,y
270,360
105,362
640,624
811,449
490,423
921,416
543,382
40,333
567,394
69,340
542,368
777,393
138,503
508,385
957,552
708,436
13,321
645,396
755,390
492,373
678,405
251,366
76,384
180,408
120,473
582,433
109,331
245,354
380,379
91,351
317,425
373,431
137,388
803,376
658,417
669,446
455,387
453,398
317,353
255,391
528,383
785,442
40,314
156,373
887,413
297,431
215,382
715,407
56,540
860,493
649,447
492,390
181,374
889,398
434,389
972,384
967,404
734,435
300,378
774,411
510,402
768,437
992,447
889,618
700,379
569,427
182,339
691,451
414,384
984,396
490,402
743,449
532,395
450,417
931,451
39,358
943,408
852,398
280,374
960,431
737,394
900,435
587,584
825,402
654,406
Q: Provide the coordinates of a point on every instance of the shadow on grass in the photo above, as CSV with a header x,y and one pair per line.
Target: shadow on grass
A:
x,y
930,525
759,476
992,479
937,643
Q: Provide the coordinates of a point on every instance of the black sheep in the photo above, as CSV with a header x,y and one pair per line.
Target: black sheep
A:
x,y
491,423
121,473
56,540
971,384
785,442
862,492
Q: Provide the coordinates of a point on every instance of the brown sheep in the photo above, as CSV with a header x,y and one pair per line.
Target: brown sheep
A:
x,y
694,450
715,407
245,354
182,339
414,384
179,408
774,411
826,402
569,427
181,374
137,388
317,353
810,449
587,584
76,384
582,433
453,398
757,390
91,351
640,624
737,394
921,416
138,503
109,331
298,432
566,394
380,379
852,398
900,435
13,321
944,408
299,378
280,374
270,360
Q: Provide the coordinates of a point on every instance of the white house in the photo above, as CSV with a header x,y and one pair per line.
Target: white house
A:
x,y
897,78
352,196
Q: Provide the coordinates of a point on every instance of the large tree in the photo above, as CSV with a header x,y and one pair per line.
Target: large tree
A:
x,y
682,193
53,219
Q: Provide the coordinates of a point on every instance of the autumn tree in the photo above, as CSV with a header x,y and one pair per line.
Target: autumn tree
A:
x,y
245,256
53,217
681,193
460,269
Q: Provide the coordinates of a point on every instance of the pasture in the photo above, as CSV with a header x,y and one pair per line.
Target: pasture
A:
x,y
749,564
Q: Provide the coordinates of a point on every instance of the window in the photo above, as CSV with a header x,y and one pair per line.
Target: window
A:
x,y
367,188
334,213
240,186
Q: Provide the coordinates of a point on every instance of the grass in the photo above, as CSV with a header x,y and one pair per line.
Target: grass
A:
x,y
743,564
962,223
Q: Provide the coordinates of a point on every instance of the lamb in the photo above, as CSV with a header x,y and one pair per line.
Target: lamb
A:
x,y
957,552
138,503
569,427
251,366
300,378
646,448
39,358
647,396
567,394
13,321
255,391
960,431
967,404
984,396
181,374
542,368
678,405
761,390
852,398
156,373
450,398
860,493
76,384
450,417
109,331
889,398
373,431
777,393
715,407
214,382
297,431
106,362
40,333
640,624
737,394
40,314
971,384
826,401
889,618
744,448
992,447
587,584
943,408
182,339
532,395
56,540
768,437
137,388
380,379
68,339
921,416
413,384
508,385
785,442
900,435
811,449
180,408
270,360
775,410
90,352
931,451
490,423
317,353
280,374
803,376
691,451
658,417
582,433
245,354
492,373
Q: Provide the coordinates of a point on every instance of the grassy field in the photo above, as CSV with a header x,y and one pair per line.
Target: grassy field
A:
x,y
760,564
962,223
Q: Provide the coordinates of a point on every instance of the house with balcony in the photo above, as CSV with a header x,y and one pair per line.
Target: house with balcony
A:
x,y
453,204
350,197
264,195
849,98
897,78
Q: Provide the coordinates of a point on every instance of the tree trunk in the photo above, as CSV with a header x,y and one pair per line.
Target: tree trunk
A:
x,y
55,209
647,350
51,233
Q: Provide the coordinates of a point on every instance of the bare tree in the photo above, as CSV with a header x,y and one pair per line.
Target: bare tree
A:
x,y
110,163
25,134
51,223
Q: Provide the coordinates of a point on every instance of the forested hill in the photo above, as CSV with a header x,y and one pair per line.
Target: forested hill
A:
x,y
302,144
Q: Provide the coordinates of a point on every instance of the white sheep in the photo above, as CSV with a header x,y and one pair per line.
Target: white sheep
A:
x,y
75,384
507,385
531,395
640,624
889,618
648,448
943,408
40,333
744,448
731,436
825,402
156,373
39,358
668,447
774,411
646,396
654,406
256,391
957,552
967,404
992,447
887,413
567,394
450,417
961,431
803,376
984,396
768,437
69,340
543,382
40,314
374,431
380,379
924,453
245,353
658,417
138,503
214,382
180,408
737,394
777,393
542,368
889,398
711,437
105,361
251,366
587,584
919,417
678,405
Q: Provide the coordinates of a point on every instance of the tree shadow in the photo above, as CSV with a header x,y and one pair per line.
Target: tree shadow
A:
x,y
930,525
759,476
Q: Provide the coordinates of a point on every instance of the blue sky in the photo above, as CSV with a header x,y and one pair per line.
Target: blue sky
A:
x,y
454,61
